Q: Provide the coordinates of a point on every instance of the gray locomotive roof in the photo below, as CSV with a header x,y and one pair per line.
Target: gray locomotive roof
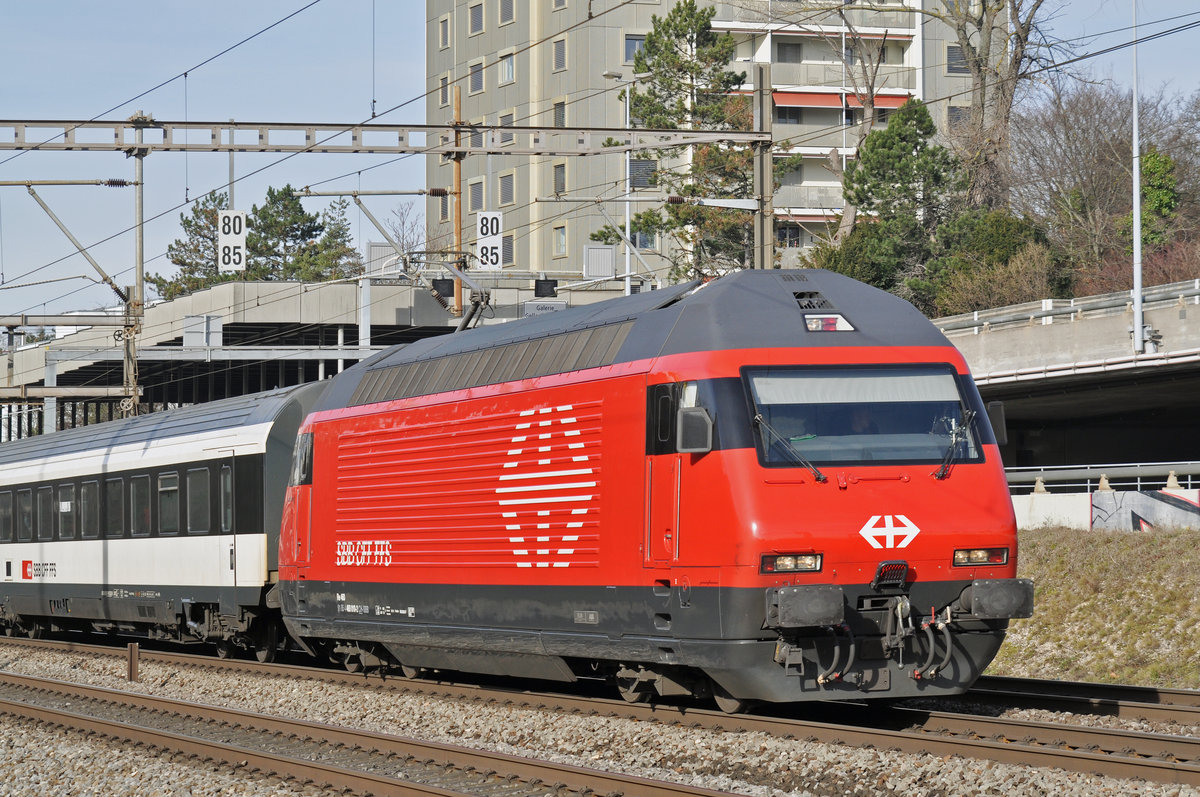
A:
x,y
224,414
746,310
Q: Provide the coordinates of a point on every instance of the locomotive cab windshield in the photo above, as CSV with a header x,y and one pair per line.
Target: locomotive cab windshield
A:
x,y
869,415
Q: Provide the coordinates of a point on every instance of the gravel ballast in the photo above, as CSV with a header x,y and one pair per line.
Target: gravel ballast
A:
x,y
45,762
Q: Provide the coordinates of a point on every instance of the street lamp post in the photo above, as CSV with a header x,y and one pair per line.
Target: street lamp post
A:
x,y
611,75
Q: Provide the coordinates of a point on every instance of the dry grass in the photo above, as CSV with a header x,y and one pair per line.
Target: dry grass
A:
x,y
1121,607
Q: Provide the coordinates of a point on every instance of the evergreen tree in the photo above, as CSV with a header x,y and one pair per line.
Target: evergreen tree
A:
x,y
333,256
1160,202
689,86
195,255
279,236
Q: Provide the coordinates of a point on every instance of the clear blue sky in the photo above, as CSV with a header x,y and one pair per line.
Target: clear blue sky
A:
x,y
75,60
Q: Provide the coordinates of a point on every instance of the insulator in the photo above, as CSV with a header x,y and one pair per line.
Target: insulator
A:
x,y
438,192
117,183
675,200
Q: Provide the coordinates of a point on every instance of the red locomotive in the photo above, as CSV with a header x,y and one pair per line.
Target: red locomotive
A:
x,y
776,486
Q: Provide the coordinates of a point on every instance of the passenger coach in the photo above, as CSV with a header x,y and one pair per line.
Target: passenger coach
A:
x,y
164,525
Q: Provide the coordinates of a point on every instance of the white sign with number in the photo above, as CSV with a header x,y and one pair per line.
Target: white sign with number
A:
x,y
489,246
231,240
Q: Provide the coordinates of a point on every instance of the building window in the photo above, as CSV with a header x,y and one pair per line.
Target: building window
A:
x,y
956,60
560,178
788,115
66,511
957,116
633,43
475,78
507,13
506,182
644,240
560,54
444,90
475,13
444,32
789,52
788,236
475,196
560,4
444,207
506,249
506,120
475,137
560,114
642,173
560,241
507,69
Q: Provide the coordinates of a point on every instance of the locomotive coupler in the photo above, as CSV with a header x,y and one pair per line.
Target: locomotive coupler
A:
x,y
899,626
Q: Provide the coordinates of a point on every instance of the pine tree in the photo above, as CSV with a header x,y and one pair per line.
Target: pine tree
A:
x,y
279,236
689,86
333,256
195,255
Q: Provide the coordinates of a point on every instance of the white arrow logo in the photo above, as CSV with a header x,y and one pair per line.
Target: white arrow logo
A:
x,y
872,531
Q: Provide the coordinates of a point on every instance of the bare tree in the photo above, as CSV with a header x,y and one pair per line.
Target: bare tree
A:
x,y
1003,43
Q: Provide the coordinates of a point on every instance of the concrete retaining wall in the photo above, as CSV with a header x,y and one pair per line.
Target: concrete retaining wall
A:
x,y
1110,510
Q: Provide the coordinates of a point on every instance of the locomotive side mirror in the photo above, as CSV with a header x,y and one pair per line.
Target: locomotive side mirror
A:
x,y
693,431
995,411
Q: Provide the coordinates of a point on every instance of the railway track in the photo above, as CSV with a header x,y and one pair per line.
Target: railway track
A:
x,y
1113,752
333,757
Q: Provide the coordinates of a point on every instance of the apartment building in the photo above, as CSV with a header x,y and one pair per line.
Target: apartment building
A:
x,y
563,63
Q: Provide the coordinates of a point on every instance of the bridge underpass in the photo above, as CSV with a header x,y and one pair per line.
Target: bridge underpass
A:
x,y
1073,390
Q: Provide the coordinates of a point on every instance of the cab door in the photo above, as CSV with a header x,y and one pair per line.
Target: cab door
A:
x,y
663,474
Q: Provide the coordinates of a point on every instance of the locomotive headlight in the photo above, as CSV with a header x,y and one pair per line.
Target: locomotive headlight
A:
x,y
791,563
965,557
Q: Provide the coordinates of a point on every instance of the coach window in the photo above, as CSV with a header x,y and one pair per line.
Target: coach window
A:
x,y
139,506
89,510
198,501
24,515
114,507
226,499
168,503
45,513
66,511
6,516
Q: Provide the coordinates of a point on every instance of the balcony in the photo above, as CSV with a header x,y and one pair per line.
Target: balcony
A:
x,y
813,135
834,74
765,12
809,196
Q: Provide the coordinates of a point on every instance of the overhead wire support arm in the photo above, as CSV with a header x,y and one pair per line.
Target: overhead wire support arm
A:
x,y
80,247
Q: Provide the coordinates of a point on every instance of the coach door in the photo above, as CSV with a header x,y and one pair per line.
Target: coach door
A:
x,y
227,540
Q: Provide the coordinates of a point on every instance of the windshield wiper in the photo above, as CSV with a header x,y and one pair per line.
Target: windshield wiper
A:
x,y
788,448
958,434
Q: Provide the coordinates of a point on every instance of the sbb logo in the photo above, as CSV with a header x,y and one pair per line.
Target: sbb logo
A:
x,y
27,569
872,531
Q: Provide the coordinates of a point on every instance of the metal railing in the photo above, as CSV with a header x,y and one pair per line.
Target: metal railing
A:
x,y
1119,476
1048,309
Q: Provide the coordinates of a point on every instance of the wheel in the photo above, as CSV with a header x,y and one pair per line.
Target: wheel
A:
x,y
35,631
266,642
412,673
630,691
727,702
224,649
353,663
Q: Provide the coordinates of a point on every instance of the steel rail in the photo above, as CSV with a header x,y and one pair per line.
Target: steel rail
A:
x,y
534,772
1014,741
1113,700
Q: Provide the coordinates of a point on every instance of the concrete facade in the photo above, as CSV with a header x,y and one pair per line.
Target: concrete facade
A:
x,y
543,63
